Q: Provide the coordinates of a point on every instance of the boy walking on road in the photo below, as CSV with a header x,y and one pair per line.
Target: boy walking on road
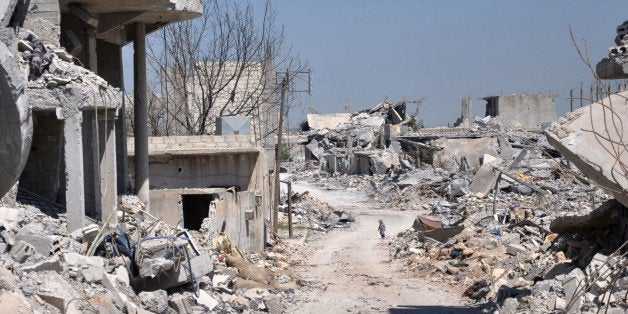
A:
x,y
382,228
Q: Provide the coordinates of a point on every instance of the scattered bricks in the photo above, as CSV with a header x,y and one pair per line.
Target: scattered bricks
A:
x,y
50,264
514,249
21,251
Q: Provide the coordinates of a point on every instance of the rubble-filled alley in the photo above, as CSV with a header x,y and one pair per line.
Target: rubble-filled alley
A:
x,y
517,211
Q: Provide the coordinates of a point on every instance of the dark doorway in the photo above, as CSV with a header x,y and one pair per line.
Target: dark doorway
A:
x,y
42,174
195,209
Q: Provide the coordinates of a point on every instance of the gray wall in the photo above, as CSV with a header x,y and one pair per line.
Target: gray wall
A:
x,y
203,171
526,110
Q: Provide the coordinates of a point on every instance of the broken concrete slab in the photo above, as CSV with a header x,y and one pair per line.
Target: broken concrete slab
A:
x,y
55,290
594,138
328,121
572,283
16,123
483,181
515,249
90,267
608,214
43,244
53,264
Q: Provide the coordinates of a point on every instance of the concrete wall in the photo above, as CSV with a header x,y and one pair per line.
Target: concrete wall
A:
x,y
43,19
525,110
201,165
203,171
228,207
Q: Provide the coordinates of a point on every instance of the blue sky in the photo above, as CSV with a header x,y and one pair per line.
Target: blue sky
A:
x,y
364,51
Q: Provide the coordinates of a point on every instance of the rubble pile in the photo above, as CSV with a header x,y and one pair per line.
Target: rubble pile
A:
x,y
140,264
503,216
53,67
308,212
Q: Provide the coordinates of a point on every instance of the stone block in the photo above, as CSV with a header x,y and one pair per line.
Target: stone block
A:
x,y
41,243
514,249
21,251
122,275
8,237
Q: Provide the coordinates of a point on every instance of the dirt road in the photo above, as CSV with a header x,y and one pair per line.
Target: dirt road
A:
x,y
350,270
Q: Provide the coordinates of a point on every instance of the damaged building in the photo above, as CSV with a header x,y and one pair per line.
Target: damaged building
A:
x,y
530,111
64,124
220,177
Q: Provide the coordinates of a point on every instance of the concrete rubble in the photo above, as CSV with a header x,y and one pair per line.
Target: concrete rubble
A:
x,y
519,224
141,265
517,220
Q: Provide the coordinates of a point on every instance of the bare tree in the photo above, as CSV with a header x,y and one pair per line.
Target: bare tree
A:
x,y
224,63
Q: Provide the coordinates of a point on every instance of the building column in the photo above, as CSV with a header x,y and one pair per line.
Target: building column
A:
x,y
107,166
74,183
140,114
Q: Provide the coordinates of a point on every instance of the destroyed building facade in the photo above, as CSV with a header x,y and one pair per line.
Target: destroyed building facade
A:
x,y
210,176
77,158
616,65
530,111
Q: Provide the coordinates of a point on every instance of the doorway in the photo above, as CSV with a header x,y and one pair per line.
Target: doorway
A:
x,y
195,209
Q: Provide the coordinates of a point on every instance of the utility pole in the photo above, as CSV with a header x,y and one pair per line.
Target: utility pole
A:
x,y
289,210
284,90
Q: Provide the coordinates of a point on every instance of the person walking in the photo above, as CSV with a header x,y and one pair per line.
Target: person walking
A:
x,y
382,228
